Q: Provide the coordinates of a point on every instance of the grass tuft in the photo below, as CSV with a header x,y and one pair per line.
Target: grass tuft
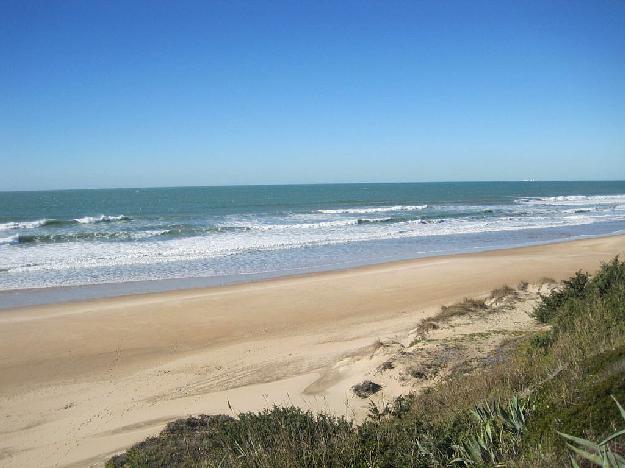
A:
x,y
502,292
465,307
546,280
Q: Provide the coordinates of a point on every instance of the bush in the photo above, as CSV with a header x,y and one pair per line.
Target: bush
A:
x,y
276,437
573,288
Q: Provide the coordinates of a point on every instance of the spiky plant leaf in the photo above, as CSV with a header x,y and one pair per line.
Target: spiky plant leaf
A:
x,y
612,437
580,441
596,459
620,408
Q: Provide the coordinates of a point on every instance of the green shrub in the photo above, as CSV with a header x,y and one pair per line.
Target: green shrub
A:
x,y
276,437
574,288
541,341
600,453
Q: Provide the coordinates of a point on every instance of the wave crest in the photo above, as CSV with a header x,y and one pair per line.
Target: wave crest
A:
x,y
23,224
101,219
11,225
380,209
9,240
573,200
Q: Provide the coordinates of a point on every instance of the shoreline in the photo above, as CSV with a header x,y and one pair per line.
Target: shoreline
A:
x,y
88,292
80,381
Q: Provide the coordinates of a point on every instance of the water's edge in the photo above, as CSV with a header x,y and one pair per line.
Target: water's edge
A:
x,y
22,298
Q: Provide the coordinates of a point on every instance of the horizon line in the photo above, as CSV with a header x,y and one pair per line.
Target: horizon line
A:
x,y
528,181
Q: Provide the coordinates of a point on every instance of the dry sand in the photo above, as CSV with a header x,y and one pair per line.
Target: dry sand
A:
x,y
81,381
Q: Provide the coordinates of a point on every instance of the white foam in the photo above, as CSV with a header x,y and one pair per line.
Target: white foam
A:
x,y
100,219
574,200
73,256
22,224
578,210
9,240
165,256
380,209
288,227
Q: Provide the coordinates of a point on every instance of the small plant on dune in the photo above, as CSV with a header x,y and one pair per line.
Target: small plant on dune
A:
x,y
545,280
366,388
522,286
426,326
465,307
502,292
598,453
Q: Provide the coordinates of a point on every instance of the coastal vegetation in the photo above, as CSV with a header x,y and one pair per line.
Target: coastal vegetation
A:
x,y
466,306
503,292
546,398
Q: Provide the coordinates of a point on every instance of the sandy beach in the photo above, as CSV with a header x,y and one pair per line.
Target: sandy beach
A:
x,y
84,380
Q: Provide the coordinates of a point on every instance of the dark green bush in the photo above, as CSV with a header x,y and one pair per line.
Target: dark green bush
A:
x,y
276,437
611,276
573,288
541,341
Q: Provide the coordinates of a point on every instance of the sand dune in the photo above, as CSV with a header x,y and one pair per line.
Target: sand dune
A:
x,y
83,380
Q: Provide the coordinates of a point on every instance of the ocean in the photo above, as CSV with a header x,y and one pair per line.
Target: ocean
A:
x,y
74,244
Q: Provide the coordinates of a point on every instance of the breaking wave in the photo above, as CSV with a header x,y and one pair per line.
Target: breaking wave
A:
x,y
572,200
26,224
101,219
60,222
379,209
74,237
180,242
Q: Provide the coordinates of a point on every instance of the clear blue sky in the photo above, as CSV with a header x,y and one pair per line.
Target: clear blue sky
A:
x,y
131,93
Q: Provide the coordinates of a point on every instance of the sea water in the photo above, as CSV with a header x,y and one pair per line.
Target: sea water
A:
x,y
59,245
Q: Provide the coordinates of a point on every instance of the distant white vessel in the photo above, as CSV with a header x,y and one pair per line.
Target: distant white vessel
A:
x,y
531,179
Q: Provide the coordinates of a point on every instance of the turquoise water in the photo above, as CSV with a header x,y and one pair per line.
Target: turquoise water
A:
x,y
161,238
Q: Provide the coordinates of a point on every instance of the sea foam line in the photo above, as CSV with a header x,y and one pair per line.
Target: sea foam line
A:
x,y
380,209
22,224
101,219
53,257
573,200
59,222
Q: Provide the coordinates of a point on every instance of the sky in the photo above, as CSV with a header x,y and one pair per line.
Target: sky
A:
x,y
170,93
